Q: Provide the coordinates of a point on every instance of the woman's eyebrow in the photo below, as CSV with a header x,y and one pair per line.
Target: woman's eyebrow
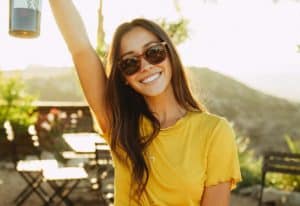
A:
x,y
144,46
149,43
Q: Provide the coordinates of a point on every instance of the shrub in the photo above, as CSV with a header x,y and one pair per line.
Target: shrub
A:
x,y
16,105
250,166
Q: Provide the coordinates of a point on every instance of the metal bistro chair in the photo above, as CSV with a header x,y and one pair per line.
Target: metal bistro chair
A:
x,y
279,162
104,181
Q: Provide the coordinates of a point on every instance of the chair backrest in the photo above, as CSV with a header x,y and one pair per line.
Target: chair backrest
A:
x,y
105,173
15,147
281,162
102,154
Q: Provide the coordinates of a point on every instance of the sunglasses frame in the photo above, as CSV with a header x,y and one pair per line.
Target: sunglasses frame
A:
x,y
143,54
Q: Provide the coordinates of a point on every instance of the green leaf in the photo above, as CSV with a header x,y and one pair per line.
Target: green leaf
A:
x,y
177,30
291,144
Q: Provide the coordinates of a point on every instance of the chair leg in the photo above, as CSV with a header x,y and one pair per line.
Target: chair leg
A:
x,y
23,193
34,185
67,191
63,191
262,189
28,189
57,190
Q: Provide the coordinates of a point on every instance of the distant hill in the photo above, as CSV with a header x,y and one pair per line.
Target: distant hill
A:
x,y
265,119
282,84
39,71
51,83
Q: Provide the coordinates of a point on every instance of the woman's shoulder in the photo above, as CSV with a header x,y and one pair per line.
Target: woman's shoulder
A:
x,y
209,124
210,119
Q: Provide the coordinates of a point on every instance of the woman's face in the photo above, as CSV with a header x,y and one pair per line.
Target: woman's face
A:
x,y
151,79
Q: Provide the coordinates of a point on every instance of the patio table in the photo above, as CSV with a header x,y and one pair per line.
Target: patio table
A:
x,y
83,143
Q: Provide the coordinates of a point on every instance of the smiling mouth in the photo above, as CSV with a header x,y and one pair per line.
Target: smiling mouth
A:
x,y
151,78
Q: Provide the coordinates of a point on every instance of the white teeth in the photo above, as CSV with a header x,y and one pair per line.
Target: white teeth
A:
x,y
151,78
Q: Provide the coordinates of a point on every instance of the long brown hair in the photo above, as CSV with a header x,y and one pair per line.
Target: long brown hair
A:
x,y
127,107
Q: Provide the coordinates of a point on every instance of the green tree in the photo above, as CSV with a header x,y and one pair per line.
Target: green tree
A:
x,y
15,104
177,30
101,45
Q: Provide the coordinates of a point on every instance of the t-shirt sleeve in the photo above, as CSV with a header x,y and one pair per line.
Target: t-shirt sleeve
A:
x,y
222,156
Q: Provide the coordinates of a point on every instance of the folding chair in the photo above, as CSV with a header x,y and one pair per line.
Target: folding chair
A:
x,y
29,170
63,180
104,181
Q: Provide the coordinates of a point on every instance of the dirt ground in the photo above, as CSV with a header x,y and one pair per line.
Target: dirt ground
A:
x,y
11,184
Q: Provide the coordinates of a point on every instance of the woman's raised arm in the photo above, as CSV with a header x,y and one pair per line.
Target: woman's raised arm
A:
x,y
88,65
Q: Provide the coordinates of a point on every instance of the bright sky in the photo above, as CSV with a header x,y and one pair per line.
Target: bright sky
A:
x,y
232,36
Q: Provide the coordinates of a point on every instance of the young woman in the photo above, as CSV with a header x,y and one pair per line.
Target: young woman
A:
x,y
167,149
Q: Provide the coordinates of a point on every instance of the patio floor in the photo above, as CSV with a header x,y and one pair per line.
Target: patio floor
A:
x,y
11,184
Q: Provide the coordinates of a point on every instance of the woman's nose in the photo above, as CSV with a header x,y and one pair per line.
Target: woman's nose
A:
x,y
145,65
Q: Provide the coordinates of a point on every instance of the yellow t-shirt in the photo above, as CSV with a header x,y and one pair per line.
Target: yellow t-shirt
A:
x,y
198,151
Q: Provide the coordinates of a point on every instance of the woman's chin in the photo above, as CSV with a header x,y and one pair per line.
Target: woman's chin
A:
x,y
154,91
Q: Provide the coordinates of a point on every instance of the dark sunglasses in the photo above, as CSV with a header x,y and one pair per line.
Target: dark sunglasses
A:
x,y
154,54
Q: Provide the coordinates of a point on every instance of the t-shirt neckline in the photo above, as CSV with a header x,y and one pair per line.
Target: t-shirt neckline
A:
x,y
177,123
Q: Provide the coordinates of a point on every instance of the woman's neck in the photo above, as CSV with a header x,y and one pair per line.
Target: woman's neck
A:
x,y
166,108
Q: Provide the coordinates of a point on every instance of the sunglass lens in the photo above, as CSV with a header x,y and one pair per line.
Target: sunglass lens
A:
x,y
155,54
130,65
